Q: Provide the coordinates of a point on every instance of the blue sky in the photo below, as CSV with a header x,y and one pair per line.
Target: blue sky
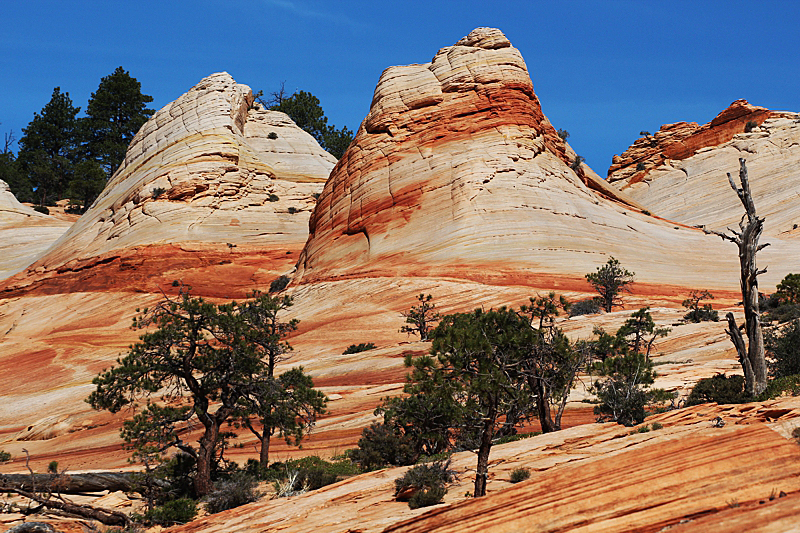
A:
x,y
604,70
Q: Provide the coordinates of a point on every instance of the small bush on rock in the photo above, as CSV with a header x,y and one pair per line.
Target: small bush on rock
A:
x,y
424,484
239,490
519,474
278,284
383,444
357,348
4,456
720,389
41,209
585,307
177,511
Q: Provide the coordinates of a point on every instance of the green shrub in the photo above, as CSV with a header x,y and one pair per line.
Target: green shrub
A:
x,y
4,456
702,314
518,436
427,497
273,198
750,126
272,135
657,425
783,347
383,444
640,166
519,474
720,389
646,212
41,209
357,348
158,191
177,511
429,482
576,163
585,307
313,472
279,283
239,490
53,467
292,210
782,385
564,134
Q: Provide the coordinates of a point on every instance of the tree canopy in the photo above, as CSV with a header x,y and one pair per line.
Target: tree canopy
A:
x,y
609,281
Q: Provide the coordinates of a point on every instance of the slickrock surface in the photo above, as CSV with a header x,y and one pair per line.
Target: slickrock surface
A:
x,y
204,169
685,165
455,172
594,477
24,233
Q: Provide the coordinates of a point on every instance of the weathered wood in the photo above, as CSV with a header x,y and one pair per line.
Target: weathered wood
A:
x,y
752,358
72,483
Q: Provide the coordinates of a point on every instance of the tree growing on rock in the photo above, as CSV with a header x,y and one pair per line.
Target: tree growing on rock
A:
x,y
420,319
752,356
698,312
609,281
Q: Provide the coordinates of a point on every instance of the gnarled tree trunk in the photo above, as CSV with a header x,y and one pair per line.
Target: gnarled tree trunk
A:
x,y
752,358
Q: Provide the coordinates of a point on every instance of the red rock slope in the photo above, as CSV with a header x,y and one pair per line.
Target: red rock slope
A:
x,y
456,172
680,172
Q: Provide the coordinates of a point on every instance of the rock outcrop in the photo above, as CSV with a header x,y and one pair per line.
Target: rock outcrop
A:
x,y
24,233
456,172
684,166
212,167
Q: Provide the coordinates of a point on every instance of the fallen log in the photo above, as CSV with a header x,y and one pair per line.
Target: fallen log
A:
x,y
72,483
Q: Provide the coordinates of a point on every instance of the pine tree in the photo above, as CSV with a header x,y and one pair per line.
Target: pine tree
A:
x,y
115,113
48,149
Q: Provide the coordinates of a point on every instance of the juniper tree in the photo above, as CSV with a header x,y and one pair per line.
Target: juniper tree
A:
x,y
421,318
609,281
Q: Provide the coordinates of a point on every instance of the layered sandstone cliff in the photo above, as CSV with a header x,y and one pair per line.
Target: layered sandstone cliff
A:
x,y
456,171
24,233
682,169
211,167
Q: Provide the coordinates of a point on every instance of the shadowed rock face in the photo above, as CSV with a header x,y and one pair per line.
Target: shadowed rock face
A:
x,y
684,166
456,171
211,167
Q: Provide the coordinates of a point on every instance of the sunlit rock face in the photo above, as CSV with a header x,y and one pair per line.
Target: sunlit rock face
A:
x,y
455,171
24,233
680,172
211,171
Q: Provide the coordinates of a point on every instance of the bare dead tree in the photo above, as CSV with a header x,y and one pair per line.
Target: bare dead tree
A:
x,y
751,357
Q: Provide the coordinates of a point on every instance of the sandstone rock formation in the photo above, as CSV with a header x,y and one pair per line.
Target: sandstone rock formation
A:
x,y
24,233
456,172
683,170
210,168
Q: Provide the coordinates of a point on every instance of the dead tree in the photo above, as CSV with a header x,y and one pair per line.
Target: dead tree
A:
x,y
751,357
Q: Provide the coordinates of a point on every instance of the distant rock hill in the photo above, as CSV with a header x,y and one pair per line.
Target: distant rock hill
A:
x,y
679,173
210,171
456,172
24,233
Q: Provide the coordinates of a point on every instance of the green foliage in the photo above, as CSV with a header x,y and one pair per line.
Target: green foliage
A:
x,y
309,473
41,209
564,134
646,212
279,283
789,289
657,425
589,306
576,163
305,110
383,444
157,191
609,281
272,135
421,317
698,313
4,456
357,348
519,474
273,198
114,114
783,385
292,210
625,393
12,174
87,183
219,356
719,389
48,150
782,345
239,490
640,166
52,467
173,512
750,126
428,482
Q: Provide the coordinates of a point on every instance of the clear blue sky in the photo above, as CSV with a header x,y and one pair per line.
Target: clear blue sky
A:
x,y
603,70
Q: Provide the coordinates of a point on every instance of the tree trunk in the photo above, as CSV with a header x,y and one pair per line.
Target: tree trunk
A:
x,y
482,472
543,407
205,456
263,456
74,483
752,359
